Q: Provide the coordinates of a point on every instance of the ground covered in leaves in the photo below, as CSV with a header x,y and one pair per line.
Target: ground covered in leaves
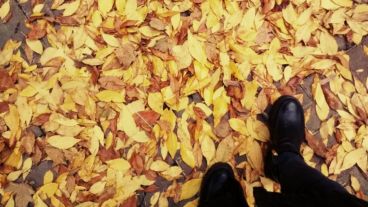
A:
x,y
127,102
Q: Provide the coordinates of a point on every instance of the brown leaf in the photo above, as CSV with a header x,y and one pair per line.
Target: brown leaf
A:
x,y
183,32
265,34
28,142
150,174
4,107
109,192
223,129
111,82
164,45
126,55
108,154
199,113
212,53
41,119
152,188
137,162
267,5
6,80
37,31
316,144
23,193
146,119
157,24
69,20
130,202
162,55
235,91
95,74
332,100
56,155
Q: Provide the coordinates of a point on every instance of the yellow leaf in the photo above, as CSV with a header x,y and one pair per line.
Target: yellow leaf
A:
x,y
322,107
70,8
38,201
154,198
119,164
172,173
352,158
238,125
355,183
96,18
323,64
328,43
366,50
10,202
190,188
156,102
97,188
257,130
182,55
35,45
159,166
289,14
172,144
49,189
48,177
28,91
110,96
62,142
196,49
163,202
13,176
12,120
273,69
187,155
329,5
104,6
120,5
255,156
250,94
344,3
50,53
127,124
220,104
4,9
93,61
225,150
15,159
208,148
110,40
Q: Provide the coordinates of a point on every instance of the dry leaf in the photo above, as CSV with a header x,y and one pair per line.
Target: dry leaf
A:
x,y
190,188
126,55
62,142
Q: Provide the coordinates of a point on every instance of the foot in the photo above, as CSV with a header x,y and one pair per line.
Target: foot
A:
x,y
220,188
286,125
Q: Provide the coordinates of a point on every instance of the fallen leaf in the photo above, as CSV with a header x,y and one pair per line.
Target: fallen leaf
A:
x,y
126,54
316,144
190,188
62,142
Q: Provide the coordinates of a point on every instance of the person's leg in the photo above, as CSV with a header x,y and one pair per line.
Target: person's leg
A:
x,y
220,188
296,176
299,182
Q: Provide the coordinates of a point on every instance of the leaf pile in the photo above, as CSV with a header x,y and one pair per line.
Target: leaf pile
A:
x,y
125,95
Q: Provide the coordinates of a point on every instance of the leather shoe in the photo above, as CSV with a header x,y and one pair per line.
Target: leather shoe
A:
x,y
220,188
286,125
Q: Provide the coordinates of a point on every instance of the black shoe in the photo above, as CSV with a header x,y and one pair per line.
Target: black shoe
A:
x,y
286,125
220,188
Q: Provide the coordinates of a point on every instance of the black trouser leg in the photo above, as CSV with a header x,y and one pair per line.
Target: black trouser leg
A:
x,y
295,176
